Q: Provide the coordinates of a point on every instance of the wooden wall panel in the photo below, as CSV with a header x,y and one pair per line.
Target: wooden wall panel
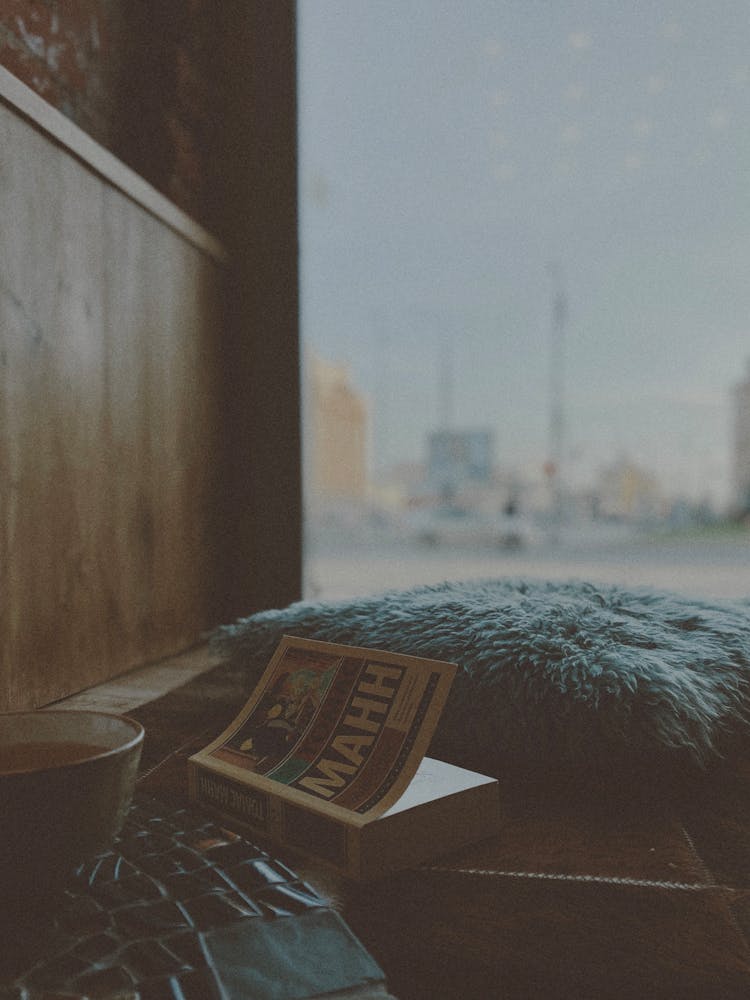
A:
x,y
110,328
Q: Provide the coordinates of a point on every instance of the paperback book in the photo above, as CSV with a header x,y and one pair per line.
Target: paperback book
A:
x,y
327,756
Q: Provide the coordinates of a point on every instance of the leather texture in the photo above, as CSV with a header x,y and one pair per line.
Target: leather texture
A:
x,y
183,909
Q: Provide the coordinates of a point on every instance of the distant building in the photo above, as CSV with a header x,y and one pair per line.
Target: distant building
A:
x,y
627,492
335,433
741,445
399,486
457,460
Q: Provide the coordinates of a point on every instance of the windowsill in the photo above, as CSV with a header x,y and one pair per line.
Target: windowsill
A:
x,y
144,684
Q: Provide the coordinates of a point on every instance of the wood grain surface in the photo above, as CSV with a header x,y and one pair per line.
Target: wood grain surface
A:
x,y
109,332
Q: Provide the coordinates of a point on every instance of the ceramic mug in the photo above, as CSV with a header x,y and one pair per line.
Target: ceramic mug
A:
x,y
66,781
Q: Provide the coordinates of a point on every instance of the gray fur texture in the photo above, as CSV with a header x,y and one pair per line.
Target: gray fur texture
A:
x,y
553,676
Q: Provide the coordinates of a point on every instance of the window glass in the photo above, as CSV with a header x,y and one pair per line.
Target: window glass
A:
x,y
525,248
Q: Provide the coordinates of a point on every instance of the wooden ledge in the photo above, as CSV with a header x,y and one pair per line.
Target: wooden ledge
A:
x,y
54,123
145,684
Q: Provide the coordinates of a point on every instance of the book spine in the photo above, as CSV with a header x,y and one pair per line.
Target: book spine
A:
x,y
252,807
267,815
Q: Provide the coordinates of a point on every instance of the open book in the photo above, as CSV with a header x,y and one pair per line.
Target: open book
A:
x,y
327,756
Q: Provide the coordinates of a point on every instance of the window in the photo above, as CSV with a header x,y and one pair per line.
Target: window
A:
x,y
525,235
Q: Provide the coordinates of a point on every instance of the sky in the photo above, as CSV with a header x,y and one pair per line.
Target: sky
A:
x,y
462,161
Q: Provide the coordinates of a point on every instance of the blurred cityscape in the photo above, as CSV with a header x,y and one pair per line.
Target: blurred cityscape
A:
x,y
458,509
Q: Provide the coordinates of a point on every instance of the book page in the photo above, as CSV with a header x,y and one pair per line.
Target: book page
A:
x,y
343,724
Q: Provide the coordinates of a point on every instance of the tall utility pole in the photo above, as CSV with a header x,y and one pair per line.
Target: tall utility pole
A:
x,y
446,387
555,462
381,455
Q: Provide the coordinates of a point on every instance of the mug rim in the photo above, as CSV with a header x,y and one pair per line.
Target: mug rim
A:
x,y
134,741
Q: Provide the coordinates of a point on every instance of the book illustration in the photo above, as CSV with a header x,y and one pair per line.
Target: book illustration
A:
x,y
282,715
336,724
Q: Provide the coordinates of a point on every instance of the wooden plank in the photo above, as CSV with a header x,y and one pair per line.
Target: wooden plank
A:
x,y
109,329
144,684
28,103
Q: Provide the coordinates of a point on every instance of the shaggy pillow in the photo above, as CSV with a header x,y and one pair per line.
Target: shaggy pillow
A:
x,y
553,676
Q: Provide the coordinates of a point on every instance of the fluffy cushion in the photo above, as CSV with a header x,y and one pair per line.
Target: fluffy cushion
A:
x,y
553,676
